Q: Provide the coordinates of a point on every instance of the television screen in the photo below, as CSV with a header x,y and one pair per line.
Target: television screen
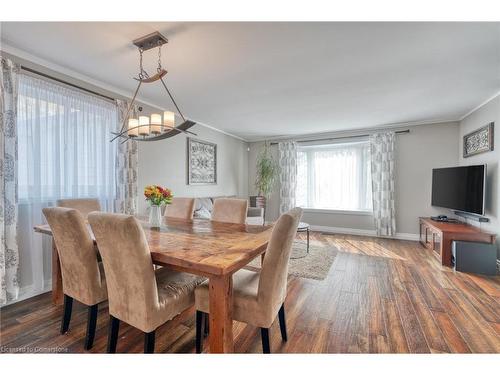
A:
x,y
459,188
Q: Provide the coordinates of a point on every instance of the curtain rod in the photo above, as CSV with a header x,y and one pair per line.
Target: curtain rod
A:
x,y
344,137
66,83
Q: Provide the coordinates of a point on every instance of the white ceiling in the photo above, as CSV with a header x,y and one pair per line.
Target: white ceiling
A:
x,y
260,80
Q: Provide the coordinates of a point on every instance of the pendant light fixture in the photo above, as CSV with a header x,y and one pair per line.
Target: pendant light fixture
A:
x,y
154,127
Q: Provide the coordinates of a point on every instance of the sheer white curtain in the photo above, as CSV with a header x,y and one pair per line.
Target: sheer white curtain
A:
x,y
64,152
335,176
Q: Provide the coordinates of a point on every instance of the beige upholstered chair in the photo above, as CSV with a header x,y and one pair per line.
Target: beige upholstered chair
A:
x,y
84,205
180,208
138,295
259,297
230,210
82,275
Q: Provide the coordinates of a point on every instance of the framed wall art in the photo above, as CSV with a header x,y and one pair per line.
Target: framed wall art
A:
x,y
202,162
479,141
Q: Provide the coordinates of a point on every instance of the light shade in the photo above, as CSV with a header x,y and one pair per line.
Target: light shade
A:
x,y
133,123
156,123
144,125
168,120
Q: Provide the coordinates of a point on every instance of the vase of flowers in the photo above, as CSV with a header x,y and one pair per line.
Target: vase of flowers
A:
x,y
157,196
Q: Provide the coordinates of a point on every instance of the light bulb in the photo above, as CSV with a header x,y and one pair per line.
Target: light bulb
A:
x,y
143,125
156,123
133,131
168,120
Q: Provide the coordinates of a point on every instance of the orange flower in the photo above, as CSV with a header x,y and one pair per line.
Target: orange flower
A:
x,y
158,195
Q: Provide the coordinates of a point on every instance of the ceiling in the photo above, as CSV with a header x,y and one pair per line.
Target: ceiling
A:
x,y
262,80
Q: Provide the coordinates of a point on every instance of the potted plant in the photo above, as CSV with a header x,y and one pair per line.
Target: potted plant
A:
x,y
266,176
156,196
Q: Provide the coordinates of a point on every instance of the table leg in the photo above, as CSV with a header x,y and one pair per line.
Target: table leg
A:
x,y
57,290
221,315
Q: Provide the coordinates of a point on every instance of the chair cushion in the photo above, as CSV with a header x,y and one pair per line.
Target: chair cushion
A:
x,y
245,303
175,294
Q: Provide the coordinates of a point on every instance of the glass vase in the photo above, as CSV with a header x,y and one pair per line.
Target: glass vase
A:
x,y
155,216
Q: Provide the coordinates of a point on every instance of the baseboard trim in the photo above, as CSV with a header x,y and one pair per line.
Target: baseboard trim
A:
x,y
363,232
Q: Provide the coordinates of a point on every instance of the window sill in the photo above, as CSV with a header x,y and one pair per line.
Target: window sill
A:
x,y
337,212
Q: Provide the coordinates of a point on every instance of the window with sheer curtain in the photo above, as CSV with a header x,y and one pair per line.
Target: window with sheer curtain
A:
x,y
63,152
64,148
335,176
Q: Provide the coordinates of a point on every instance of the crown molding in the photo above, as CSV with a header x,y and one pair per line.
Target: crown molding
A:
x,y
353,132
21,54
479,106
221,131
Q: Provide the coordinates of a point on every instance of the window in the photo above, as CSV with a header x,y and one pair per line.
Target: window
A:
x,y
334,176
64,149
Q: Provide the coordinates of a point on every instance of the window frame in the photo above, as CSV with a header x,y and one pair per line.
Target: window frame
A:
x,y
317,210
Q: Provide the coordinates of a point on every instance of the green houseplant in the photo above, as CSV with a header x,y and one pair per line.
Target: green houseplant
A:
x,y
267,170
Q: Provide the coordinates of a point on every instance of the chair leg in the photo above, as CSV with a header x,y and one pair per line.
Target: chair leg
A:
x,y
68,306
207,324
264,334
149,342
281,316
114,326
200,316
91,323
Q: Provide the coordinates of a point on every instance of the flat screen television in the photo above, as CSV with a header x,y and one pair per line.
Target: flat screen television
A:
x,y
460,188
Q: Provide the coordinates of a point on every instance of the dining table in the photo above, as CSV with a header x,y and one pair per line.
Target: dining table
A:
x,y
202,247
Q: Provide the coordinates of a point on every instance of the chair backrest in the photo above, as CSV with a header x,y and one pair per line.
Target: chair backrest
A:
x,y
81,276
84,205
180,208
273,276
230,210
130,278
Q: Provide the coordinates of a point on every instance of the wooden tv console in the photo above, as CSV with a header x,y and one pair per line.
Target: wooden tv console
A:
x,y
438,236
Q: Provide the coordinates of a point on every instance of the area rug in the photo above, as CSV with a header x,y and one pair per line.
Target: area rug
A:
x,y
314,265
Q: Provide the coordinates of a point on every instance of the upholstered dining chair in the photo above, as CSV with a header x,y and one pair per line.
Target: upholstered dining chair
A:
x,y
230,210
138,295
259,296
82,276
84,205
180,208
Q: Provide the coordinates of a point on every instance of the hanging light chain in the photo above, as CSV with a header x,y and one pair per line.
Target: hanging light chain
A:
x,y
142,72
141,75
159,57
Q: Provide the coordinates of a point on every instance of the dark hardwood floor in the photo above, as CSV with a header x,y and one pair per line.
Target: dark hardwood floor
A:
x,y
381,296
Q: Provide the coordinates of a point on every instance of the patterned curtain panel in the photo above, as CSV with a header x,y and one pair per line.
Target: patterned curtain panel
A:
x,y
126,168
9,254
382,148
288,175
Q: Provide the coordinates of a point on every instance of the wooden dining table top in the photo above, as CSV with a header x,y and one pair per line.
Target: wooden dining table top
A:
x,y
201,246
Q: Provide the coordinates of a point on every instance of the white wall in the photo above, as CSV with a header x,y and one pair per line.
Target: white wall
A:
x,y
425,147
490,112
165,163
